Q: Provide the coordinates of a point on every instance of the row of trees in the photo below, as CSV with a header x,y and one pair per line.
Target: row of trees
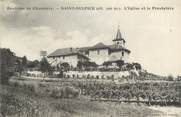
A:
x,y
42,65
86,65
11,64
121,64
45,67
108,65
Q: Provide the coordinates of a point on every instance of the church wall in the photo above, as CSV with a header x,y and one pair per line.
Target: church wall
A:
x,y
118,56
99,56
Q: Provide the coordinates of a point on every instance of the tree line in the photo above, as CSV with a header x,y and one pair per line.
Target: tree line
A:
x,y
10,64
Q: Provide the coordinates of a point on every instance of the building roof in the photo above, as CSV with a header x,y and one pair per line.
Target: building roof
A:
x,y
84,48
63,51
115,48
112,48
99,46
66,52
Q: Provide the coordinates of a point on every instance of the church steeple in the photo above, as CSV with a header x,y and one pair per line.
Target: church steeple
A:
x,y
119,40
118,35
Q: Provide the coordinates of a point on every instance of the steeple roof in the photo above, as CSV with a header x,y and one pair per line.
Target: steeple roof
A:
x,y
118,36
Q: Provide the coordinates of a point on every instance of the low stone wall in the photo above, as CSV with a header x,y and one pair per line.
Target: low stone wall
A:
x,y
96,74
84,74
35,74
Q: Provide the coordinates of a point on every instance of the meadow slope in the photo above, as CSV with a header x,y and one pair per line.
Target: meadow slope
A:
x,y
16,102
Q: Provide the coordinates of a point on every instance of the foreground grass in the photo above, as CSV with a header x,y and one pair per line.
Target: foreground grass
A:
x,y
16,102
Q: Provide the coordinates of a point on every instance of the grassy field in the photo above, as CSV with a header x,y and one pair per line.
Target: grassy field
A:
x,y
16,102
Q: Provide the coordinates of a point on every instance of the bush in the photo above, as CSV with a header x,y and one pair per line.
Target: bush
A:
x,y
170,78
16,84
56,93
64,92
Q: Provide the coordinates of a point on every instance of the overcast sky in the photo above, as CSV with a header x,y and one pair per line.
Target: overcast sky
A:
x,y
154,37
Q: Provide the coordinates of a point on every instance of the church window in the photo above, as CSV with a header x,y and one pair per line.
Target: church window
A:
x,y
63,57
117,42
122,53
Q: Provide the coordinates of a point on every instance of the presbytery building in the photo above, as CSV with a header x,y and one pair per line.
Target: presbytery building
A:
x,y
98,53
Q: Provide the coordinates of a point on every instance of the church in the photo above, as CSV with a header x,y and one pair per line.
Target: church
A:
x,y
98,53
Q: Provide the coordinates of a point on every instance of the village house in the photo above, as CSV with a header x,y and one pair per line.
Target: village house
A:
x,y
69,55
98,53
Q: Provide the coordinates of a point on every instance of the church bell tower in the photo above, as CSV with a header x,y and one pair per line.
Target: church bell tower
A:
x,y
119,41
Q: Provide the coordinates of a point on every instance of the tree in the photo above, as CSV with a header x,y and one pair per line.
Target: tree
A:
x,y
86,64
137,66
170,78
19,66
65,65
92,64
107,63
45,66
24,61
178,78
82,64
7,64
120,63
33,64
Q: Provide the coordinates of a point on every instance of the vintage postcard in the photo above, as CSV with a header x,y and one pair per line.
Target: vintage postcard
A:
x,y
90,58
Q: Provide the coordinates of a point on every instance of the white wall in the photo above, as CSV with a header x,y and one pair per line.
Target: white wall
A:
x,y
118,56
97,73
99,58
72,60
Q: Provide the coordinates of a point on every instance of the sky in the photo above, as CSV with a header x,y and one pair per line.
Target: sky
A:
x,y
154,36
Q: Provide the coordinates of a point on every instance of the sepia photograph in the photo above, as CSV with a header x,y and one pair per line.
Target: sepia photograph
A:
x,y
79,58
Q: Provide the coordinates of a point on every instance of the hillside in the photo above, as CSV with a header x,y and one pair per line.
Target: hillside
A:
x,y
16,102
